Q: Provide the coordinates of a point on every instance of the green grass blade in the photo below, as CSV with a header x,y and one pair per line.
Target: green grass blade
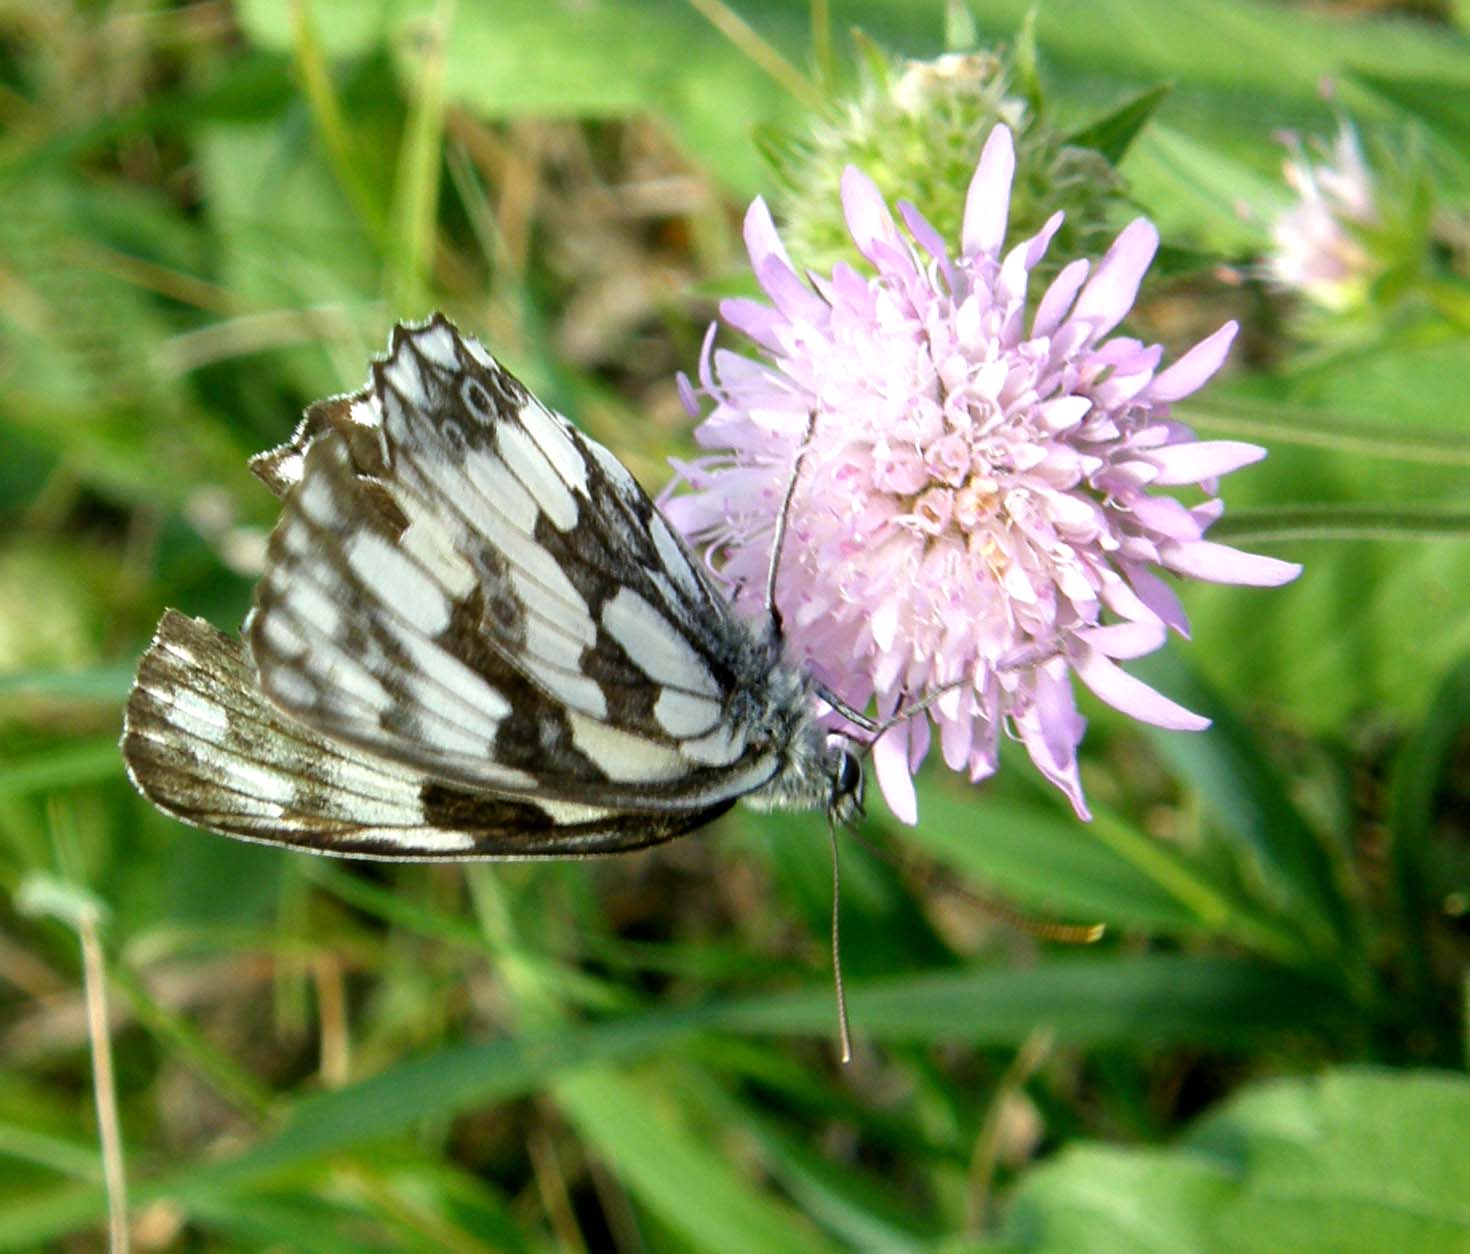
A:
x,y
62,766
1150,1001
634,1129
416,192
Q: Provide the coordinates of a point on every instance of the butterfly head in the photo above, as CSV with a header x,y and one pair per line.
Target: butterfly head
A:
x,y
847,779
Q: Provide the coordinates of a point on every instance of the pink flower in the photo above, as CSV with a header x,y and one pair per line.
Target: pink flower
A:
x,y
1316,244
976,503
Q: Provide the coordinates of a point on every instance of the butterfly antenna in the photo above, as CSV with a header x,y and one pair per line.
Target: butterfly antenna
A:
x,y
844,1029
778,537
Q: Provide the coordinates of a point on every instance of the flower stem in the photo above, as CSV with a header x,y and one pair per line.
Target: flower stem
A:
x,y
1338,521
109,1129
1285,424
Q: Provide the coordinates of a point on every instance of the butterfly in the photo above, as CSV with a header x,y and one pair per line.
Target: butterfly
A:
x,y
475,637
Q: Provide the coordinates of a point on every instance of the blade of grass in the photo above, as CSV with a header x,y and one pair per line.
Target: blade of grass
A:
x,y
858,1208
416,190
70,1158
315,76
672,1171
102,683
1418,773
1105,871
759,51
64,766
1245,796
1151,1001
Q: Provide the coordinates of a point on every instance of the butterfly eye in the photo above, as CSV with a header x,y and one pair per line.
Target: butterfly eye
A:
x,y
847,780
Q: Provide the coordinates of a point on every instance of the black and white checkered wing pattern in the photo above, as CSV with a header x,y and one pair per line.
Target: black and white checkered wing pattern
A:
x,y
464,584
203,743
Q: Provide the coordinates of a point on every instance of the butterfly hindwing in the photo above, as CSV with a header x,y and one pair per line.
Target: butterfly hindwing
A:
x,y
464,583
203,743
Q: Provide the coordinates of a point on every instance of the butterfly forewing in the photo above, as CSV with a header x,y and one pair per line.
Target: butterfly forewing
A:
x,y
462,581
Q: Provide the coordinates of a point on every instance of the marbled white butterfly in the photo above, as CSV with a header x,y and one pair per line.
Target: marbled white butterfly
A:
x,y
475,637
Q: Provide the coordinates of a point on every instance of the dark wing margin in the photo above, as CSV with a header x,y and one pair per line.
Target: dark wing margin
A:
x,y
203,744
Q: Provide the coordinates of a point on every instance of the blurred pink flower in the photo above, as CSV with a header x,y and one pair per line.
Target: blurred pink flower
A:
x,y
1316,246
975,500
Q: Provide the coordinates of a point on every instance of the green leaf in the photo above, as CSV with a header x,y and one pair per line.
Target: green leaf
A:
x,y
1154,1000
634,1127
1420,768
272,1223
523,58
416,188
1151,1001
101,683
858,1206
1107,871
1443,105
1379,424
1244,795
1356,1160
63,766
54,1152
1192,190
1113,133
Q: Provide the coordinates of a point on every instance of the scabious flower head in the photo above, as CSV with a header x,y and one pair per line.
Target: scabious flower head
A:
x,y
914,127
1317,245
976,503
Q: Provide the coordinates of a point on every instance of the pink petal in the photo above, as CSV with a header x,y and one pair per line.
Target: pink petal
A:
x,y
1058,298
1125,640
1196,366
1134,697
687,397
1219,563
1051,729
1208,513
1125,353
790,295
706,352
1108,297
1037,245
1156,596
1012,281
956,738
754,319
1202,459
1064,413
868,219
891,767
919,738
1166,517
853,290
988,202
884,623
762,241
928,239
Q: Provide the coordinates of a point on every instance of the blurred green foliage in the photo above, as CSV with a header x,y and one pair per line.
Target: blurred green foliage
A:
x,y
212,214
